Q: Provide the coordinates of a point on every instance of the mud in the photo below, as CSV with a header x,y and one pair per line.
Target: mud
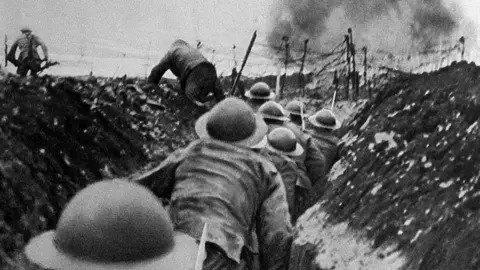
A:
x,y
408,177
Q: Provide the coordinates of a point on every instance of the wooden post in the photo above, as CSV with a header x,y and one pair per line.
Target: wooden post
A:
x,y
335,84
234,56
347,88
352,47
462,41
6,51
277,85
287,46
365,66
300,75
232,91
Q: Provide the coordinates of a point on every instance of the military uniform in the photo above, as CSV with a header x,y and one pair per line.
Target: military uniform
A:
x,y
328,144
28,58
293,179
238,192
198,77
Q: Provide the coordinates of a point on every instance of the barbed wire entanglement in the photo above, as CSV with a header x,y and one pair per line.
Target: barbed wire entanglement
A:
x,y
342,63
346,65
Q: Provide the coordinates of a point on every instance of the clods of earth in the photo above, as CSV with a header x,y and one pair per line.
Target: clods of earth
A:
x,y
406,192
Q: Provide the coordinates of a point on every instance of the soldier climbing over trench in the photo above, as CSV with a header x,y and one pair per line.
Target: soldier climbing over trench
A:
x,y
198,77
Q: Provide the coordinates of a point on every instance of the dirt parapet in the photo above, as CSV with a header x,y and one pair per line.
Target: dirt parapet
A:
x,y
408,177
57,135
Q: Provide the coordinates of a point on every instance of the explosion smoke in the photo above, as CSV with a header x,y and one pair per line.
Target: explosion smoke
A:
x,y
386,24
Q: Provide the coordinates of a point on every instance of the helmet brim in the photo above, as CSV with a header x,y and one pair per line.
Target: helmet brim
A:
x,y
295,153
249,95
315,123
253,141
42,251
305,115
273,117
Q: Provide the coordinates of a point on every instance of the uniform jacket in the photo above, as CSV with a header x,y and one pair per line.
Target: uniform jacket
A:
x,y
181,59
23,43
291,176
312,160
328,144
238,192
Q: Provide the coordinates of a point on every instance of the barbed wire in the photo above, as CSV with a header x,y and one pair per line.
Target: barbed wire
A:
x,y
275,55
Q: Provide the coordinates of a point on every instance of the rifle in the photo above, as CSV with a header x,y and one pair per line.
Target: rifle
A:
x,y
47,65
232,91
6,50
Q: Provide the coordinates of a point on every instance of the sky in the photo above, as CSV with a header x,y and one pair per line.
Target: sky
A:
x,y
113,27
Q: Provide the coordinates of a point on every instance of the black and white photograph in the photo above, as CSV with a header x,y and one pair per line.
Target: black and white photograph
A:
x,y
240,134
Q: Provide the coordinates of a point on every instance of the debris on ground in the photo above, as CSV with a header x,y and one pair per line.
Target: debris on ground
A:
x,y
58,135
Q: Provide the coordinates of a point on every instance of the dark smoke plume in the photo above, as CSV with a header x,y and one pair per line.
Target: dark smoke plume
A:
x,y
380,24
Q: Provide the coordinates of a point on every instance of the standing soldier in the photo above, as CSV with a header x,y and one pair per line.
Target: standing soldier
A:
x,y
324,123
113,224
220,181
311,162
273,114
258,94
281,147
198,77
28,58
294,109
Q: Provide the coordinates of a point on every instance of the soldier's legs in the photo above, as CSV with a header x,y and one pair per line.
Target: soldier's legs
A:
x,y
34,67
23,68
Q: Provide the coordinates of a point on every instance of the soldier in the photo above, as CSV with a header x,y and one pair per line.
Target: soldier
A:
x,y
311,162
198,77
28,58
324,123
258,94
113,225
281,147
220,181
273,114
294,110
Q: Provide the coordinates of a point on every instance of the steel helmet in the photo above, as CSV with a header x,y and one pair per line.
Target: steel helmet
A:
x,y
113,225
260,90
273,110
294,108
26,29
325,119
283,140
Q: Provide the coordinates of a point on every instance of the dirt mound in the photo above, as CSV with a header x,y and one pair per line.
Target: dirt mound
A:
x,y
59,134
407,182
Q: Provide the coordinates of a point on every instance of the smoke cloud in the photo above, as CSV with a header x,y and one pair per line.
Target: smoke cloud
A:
x,y
389,25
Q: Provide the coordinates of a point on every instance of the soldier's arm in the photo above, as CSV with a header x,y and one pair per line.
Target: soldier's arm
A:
x,y
273,227
160,180
159,70
11,53
43,46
